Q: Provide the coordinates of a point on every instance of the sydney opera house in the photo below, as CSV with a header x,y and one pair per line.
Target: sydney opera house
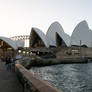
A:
x,y
55,37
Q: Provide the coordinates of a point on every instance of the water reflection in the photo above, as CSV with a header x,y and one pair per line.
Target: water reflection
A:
x,y
67,77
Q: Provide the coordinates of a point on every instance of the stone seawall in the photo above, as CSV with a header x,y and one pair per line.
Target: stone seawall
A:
x,y
28,62
30,82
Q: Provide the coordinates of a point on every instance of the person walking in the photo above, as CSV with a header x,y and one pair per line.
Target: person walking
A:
x,y
8,63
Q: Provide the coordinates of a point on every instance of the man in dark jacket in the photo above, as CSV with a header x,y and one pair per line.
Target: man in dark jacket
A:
x,y
8,63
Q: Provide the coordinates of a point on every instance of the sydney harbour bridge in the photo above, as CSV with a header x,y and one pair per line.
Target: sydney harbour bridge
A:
x,y
23,38
20,37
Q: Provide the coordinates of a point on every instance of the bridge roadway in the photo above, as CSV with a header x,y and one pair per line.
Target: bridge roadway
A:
x,y
8,80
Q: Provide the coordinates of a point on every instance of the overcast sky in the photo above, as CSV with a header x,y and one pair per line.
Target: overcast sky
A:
x,y
17,17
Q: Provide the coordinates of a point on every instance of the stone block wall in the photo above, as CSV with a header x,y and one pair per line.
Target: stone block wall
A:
x,y
31,83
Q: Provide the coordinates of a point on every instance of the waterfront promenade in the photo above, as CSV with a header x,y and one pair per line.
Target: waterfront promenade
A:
x,y
8,80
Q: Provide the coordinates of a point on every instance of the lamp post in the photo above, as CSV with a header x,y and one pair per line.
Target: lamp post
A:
x,y
26,42
80,47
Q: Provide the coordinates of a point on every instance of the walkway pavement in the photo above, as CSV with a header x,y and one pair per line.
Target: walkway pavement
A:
x,y
8,80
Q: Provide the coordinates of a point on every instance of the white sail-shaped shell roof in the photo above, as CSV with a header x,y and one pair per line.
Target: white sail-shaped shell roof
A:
x,y
82,35
40,34
51,34
10,42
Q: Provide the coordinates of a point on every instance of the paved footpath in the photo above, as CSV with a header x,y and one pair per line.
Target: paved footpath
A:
x,y
8,80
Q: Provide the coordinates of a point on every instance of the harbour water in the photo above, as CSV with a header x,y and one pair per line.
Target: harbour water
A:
x,y
67,77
